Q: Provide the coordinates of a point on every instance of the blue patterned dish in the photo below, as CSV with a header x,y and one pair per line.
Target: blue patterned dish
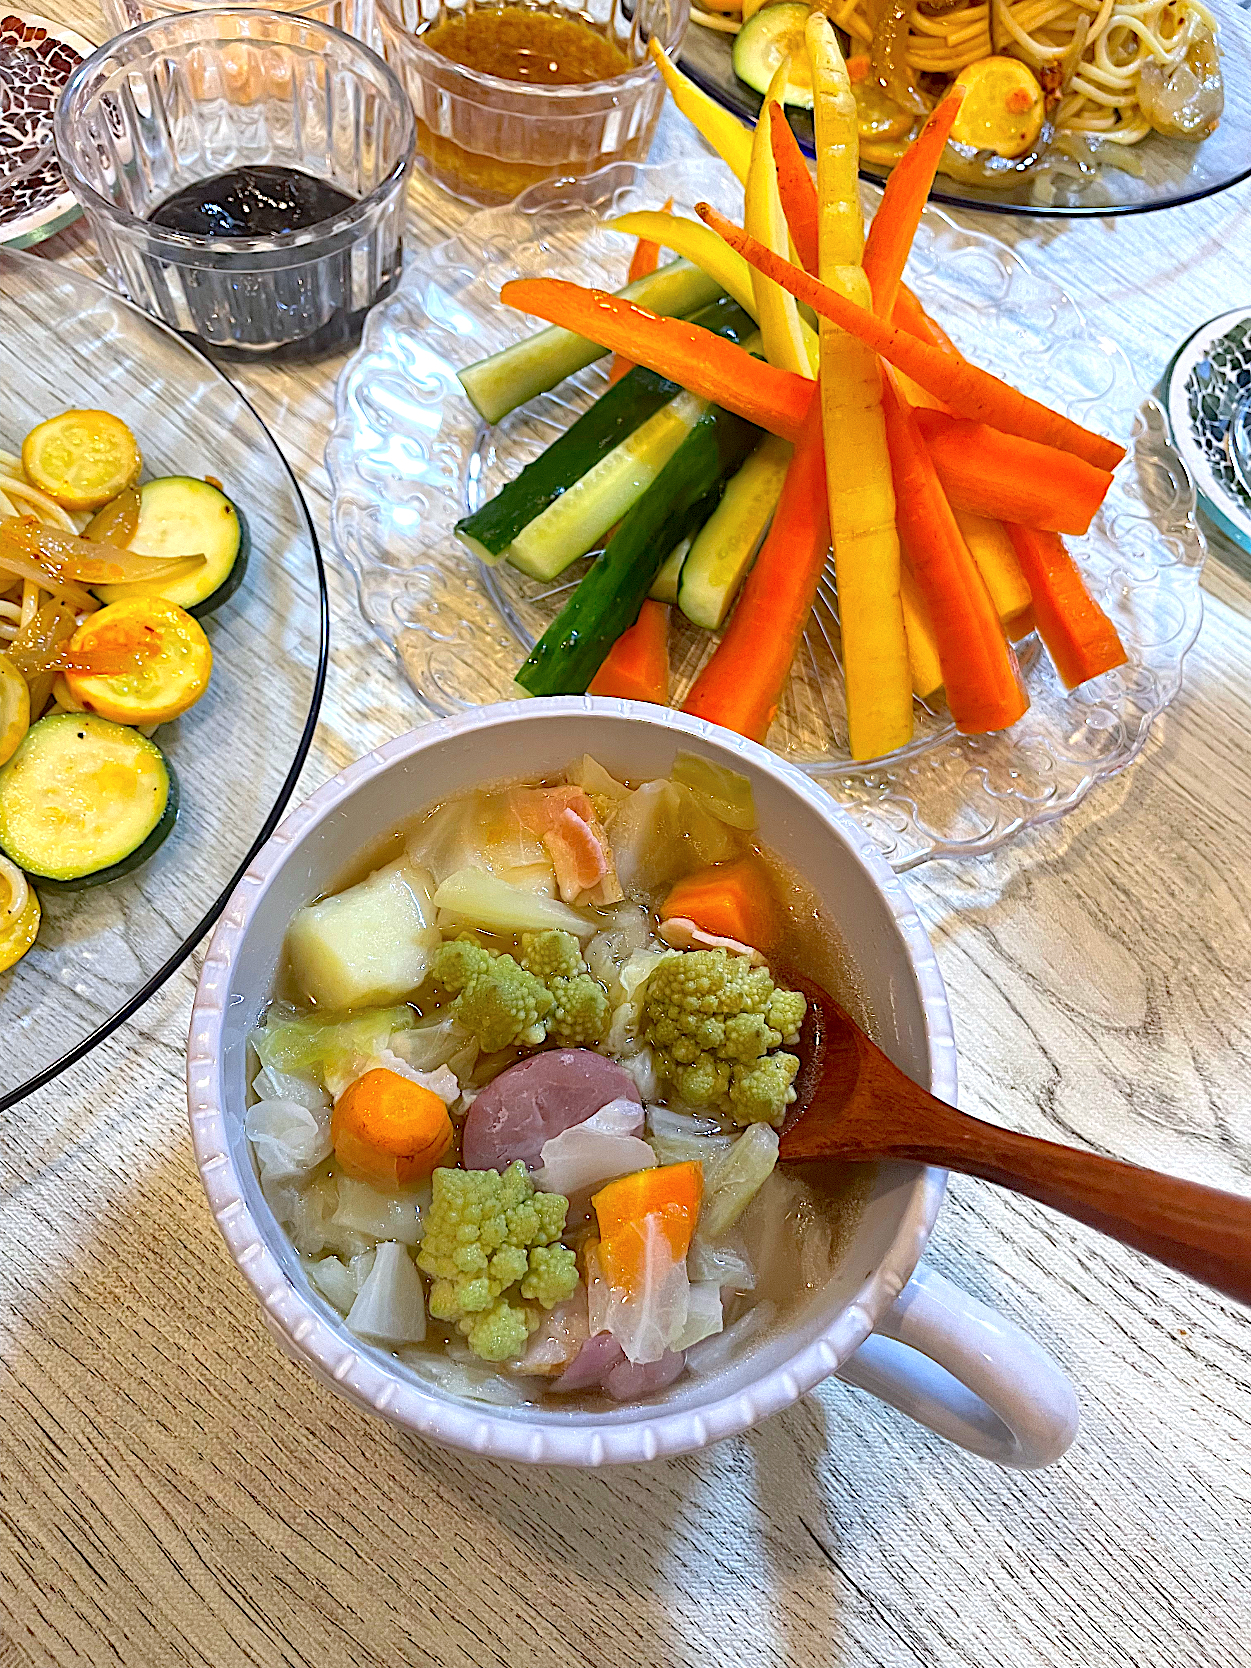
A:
x,y
1207,391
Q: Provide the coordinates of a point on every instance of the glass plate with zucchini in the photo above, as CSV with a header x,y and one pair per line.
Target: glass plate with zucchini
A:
x,y
146,642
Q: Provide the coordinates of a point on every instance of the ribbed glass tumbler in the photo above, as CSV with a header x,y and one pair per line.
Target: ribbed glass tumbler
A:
x,y
195,95
486,139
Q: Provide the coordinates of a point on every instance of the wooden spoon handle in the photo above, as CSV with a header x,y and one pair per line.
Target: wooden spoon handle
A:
x,y
1199,1230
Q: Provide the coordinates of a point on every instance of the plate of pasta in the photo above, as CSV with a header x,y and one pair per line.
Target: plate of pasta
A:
x,y
1072,107
162,605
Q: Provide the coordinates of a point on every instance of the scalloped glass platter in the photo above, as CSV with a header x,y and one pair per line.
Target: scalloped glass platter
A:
x,y
409,456
65,341
1158,173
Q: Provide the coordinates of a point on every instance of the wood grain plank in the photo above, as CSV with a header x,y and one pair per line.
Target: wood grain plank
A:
x,y
175,1492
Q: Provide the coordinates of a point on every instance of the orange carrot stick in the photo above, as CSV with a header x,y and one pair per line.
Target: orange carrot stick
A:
x,y
909,315
643,262
1080,638
899,213
637,667
1010,479
980,672
731,900
707,365
969,391
741,686
796,187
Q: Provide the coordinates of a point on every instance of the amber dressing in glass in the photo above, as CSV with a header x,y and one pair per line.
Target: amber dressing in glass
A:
x,y
519,43
527,45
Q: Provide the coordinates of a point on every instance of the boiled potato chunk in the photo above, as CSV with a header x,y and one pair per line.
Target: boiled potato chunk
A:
x,y
1003,107
369,945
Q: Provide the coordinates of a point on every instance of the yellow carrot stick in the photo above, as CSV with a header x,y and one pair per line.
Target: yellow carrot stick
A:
x,y
927,672
876,672
727,136
789,343
698,244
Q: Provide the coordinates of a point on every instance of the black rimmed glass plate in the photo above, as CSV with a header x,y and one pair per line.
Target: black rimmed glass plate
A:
x,y
1165,172
65,341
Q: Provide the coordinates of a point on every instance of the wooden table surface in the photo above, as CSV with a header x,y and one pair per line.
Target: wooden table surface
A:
x,y
174,1491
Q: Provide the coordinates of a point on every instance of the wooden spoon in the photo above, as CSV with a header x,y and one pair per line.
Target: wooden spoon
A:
x,y
855,1105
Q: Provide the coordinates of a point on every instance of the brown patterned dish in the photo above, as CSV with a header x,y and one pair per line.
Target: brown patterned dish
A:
x,y
37,57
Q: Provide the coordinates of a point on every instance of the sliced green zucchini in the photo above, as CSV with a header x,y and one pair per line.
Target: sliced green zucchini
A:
x,y
489,531
578,520
84,799
607,602
774,33
726,545
181,516
509,378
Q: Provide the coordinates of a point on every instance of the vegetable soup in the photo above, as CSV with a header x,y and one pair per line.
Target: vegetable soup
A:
x,y
519,1093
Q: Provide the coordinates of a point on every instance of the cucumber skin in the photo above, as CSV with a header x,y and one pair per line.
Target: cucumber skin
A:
x,y
135,860
607,602
540,361
612,419
235,577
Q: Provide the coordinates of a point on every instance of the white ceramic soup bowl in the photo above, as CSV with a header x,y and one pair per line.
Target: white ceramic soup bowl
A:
x,y
909,1336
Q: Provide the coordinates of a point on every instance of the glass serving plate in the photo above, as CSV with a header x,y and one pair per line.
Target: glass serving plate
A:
x,y
65,341
409,455
1165,172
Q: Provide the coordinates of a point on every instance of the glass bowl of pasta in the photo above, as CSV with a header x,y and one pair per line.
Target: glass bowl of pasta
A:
x,y
1072,107
162,606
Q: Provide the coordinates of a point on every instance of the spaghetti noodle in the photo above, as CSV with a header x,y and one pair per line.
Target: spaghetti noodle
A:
x,y
1111,71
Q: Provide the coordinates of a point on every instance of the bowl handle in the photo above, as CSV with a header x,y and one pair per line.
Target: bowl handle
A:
x,y
945,1359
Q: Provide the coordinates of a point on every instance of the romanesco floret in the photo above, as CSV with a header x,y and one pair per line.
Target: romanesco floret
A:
x,y
498,1001
714,1022
551,955
491,1248
548,996
760,1089
579,1017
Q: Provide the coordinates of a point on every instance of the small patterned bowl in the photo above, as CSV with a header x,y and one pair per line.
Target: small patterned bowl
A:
x,y
1207,390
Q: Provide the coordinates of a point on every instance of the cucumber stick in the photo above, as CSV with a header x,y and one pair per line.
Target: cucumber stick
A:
x,y
607,602
578,520
665,585
726,545
508,379
489,531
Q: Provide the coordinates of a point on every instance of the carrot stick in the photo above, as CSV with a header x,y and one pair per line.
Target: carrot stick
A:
x,y
980,672
899,213
643,262
909,315
709,366
741,686
1080,638
1010,479
797,187
731,900
968,390
637,667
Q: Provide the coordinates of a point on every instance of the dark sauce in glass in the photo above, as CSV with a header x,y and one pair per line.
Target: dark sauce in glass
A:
x,y
276,305
260,201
